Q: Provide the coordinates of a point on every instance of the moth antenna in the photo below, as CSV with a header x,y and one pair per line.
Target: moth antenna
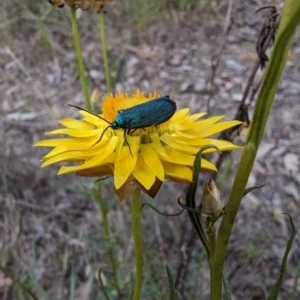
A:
x,y
89,113
101,136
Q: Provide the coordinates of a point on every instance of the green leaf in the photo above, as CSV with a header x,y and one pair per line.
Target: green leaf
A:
x,y
276,288
103,289
170,284
295,285
37,285
72,282
190,198
227,289
18,284
159,212
252,188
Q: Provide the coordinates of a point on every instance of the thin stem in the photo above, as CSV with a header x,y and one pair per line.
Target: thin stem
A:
x,y
138,242
80,63
212,238
215,284
108,245
104,50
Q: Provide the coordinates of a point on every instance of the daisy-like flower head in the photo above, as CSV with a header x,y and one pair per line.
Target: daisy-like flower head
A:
x,y
147,157
82,4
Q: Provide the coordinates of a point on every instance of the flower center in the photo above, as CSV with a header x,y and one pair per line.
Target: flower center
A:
x,y
113,104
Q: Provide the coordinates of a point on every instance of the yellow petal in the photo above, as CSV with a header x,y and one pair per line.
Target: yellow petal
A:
x,y
222,145
178,157
199,124
126,162
68,156
177,171
181,133
71,145
95,161
180,115
157,144
76,124
92,119
172,141
58,142
89,116
134,142
215,128
194,117
211,120
76,133
151,159
143,174
97,171
207,166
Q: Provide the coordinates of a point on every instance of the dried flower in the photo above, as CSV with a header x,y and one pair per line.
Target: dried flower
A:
x,y
211,203
268,26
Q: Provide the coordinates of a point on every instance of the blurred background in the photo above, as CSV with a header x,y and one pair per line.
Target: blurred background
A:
x,y
201,53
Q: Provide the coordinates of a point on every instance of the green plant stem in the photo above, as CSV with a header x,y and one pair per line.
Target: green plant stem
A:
x,y
138,242
283,41
212,247
80,63
104,50
212,239
108,246
16,282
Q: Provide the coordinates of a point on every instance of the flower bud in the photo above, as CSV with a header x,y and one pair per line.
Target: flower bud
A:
x,y
95,97
211,203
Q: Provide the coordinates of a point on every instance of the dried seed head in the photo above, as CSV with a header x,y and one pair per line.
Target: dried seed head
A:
x,y
268,26
211,203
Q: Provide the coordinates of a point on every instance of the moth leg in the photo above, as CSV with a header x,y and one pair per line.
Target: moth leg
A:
x,y
127,131
134,130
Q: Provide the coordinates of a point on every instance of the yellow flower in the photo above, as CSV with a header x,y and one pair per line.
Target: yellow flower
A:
x,y
82,4
161,152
